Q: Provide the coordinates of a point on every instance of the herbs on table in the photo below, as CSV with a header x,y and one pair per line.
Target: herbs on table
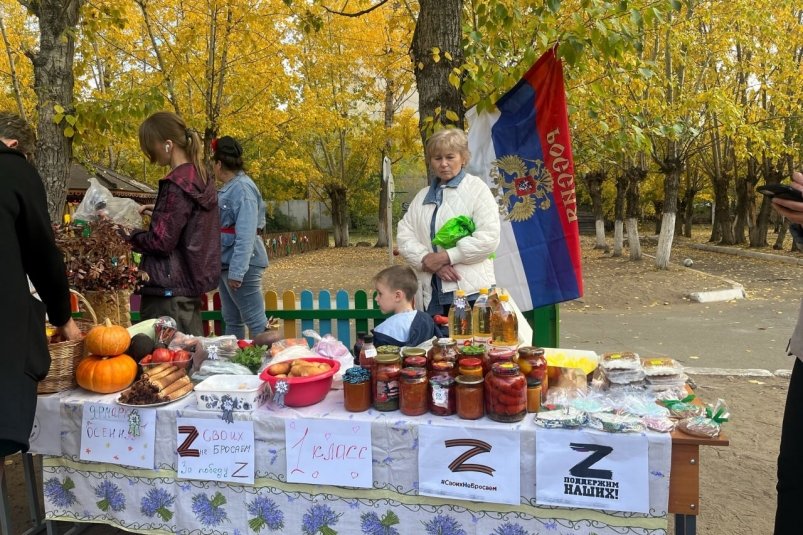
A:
x,y
250,357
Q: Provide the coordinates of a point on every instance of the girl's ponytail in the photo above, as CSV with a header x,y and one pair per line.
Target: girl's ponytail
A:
x,y
195,152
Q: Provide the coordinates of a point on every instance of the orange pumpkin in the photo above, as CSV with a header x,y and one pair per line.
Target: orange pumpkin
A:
x,y
106,374
107,340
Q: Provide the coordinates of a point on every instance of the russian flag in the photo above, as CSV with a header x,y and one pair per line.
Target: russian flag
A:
x,y
523,151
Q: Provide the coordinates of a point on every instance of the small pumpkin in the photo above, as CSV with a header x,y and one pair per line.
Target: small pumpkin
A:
x,y
107,339
106,374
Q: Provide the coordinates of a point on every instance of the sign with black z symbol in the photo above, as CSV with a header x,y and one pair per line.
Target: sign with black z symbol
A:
x,y
477,447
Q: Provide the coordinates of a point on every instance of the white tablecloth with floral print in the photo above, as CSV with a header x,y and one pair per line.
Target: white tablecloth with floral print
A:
x,y
154,501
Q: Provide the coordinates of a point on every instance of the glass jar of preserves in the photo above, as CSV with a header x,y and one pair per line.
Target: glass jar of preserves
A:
x,y
505,393
532,363
444,350
442,395
413,391
533,395
501,354
413,352
357,389
386,381
470,351
470,395
444,368
470,366
414,362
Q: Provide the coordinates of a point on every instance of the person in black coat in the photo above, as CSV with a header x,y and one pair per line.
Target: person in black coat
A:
x,y
29,252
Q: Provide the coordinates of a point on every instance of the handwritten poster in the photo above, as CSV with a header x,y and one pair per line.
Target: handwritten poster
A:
x,y
118,435
46,431
592,470
469,464
214,450
329,452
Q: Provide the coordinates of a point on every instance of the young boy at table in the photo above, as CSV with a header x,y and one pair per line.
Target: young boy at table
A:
x,y
395,290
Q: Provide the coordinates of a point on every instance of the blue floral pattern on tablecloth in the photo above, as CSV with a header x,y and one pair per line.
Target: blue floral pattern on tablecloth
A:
x,y
110,497
156,502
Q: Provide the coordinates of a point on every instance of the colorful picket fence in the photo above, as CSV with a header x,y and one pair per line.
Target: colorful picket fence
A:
x,y
330,315
334,315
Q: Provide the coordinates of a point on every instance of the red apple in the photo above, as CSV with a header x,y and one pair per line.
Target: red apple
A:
x,y
147,359
161,354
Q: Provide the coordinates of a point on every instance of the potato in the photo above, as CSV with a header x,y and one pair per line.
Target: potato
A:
x,y
280,368
281,376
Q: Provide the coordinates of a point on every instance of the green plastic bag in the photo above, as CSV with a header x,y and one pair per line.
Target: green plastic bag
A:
x,y
453,231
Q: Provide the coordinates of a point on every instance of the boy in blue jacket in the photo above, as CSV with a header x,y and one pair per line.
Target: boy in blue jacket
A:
x,y
395,290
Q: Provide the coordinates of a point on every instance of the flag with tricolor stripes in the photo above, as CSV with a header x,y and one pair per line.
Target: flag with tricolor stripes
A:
x,y
523,151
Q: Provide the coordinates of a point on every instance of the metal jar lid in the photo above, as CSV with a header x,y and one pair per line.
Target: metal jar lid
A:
x,y
387,358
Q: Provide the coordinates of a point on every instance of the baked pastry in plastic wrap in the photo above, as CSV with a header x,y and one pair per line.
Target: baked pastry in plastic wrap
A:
x,y
708,425
560,418
661,366
615,423
624,360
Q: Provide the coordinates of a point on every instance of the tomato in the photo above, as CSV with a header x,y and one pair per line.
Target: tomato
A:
x,y
161,354
181,356
146,359
242,344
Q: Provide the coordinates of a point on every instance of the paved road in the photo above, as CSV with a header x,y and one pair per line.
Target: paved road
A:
x,y
738,334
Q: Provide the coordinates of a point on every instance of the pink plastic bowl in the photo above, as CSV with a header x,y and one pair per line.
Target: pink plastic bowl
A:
x,y
305,391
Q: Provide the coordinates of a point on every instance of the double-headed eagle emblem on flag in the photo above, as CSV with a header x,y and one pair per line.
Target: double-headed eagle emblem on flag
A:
x,y
527,188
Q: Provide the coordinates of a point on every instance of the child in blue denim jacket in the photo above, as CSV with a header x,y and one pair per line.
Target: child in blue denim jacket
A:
x,y
243,254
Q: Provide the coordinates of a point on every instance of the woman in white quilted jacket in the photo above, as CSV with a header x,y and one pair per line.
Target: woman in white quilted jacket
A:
x,y
467,265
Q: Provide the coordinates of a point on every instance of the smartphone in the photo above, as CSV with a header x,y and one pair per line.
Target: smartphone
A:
x,y
782,191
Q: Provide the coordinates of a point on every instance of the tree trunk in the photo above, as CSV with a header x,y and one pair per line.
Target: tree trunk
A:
x,y
722,232
635,176
784,228
688,214
619,213
439,27
633,241
773,174
618,238
672,172
384,198
594,182
54,84
745,208
340,214
658,206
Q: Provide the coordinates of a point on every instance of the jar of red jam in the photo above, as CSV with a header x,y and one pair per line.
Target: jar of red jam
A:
x,y
386,380
414,391
442,395
470,397
414,362
532,363
505,393
470,366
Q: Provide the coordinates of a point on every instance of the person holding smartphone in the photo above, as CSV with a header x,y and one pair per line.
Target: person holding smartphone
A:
x,y
790,458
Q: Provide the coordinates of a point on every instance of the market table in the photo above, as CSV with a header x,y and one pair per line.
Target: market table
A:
x,y
156,501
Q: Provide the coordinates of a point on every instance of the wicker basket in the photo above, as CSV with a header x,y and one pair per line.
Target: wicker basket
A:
x,y
64,356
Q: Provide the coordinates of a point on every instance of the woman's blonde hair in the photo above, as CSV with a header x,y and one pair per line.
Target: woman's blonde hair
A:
x,y
164,125
448,139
